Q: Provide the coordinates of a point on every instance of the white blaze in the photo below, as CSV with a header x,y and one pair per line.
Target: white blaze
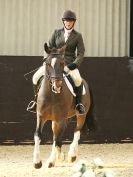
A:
x,y
53,62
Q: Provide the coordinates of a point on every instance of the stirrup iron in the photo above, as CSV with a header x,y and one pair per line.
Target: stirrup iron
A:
x,y
80,108
32,107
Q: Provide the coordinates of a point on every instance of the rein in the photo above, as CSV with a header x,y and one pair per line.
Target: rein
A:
x,y
26,74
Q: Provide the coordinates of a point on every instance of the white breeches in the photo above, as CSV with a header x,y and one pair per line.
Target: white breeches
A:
x,y
73,73
40,72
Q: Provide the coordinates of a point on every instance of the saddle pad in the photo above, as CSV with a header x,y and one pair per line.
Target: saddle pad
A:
x,y
70,87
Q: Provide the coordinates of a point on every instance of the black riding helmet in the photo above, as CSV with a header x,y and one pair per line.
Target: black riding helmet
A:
x,y
69,15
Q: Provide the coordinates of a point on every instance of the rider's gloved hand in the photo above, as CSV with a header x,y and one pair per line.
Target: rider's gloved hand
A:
x,y
72,66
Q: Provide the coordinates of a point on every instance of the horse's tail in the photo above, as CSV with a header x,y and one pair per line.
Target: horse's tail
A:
x,y
90,121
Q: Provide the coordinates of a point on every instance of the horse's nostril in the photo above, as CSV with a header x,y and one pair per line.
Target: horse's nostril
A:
x,y
59,83
56,86
56,89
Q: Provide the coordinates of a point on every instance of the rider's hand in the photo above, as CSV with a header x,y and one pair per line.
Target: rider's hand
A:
x,y
72,66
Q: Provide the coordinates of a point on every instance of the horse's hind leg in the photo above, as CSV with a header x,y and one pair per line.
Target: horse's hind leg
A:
x,y
37,138
73,150
58,129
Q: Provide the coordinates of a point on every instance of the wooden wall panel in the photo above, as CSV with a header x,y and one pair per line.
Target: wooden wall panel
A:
x,y
111,82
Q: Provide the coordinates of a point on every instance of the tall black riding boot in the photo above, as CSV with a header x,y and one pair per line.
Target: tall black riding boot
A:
x,y
79,106
32,105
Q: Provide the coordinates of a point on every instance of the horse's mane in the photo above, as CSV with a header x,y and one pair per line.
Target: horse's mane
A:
x,y
55,51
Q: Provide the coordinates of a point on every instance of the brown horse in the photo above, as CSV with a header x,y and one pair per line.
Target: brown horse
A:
x,y
56,103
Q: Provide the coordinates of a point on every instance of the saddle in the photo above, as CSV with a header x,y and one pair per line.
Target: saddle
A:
x,y
71,86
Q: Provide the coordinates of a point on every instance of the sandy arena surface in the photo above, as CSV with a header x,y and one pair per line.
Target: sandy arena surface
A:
x,y
16,161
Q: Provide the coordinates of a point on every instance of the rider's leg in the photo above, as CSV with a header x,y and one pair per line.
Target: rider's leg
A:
x,y
32,105
79,87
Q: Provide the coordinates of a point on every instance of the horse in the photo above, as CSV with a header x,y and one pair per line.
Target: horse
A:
x,y
55,102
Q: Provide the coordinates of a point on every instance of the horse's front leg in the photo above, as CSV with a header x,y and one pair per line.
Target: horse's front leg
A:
x,y
73,150
37,139
58,129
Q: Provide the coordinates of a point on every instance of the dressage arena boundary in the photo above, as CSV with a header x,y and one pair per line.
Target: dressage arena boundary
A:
x,y
111,82
112,156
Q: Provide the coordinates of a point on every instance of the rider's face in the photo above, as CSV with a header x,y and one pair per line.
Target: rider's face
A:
x,y
68,24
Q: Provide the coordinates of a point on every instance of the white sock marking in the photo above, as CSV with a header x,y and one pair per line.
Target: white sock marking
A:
x,y
74,145
36,153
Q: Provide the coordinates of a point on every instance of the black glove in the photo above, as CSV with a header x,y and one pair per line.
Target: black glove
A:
x,y
72,66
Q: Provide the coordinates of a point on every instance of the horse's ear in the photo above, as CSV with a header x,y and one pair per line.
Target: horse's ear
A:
x,y
62,50
46,48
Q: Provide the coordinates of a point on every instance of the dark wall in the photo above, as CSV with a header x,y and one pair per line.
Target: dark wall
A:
x,y
16,124
111,81
131,28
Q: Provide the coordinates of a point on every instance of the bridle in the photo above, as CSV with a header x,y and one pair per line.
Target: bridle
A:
x,y
48,75
55,80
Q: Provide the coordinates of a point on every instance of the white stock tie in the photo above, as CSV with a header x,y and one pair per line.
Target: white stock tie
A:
x,y
67,33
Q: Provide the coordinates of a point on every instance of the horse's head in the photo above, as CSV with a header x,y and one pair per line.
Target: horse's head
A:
x,y
55,67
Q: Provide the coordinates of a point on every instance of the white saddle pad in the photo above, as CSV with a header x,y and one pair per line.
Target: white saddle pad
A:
x,y
71,87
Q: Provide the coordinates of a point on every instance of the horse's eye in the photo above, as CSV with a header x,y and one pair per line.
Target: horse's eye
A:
x,y
48,63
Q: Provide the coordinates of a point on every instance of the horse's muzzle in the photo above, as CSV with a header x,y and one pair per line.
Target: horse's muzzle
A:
x,y
56,86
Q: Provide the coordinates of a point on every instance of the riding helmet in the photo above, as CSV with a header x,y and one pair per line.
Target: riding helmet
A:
x,y
69,15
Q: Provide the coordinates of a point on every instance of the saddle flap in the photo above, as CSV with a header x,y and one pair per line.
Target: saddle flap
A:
x,y
70,87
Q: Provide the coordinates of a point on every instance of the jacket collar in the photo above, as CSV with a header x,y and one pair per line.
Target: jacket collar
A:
x,y
71,37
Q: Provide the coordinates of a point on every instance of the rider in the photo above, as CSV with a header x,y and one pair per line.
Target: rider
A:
x,y
74,54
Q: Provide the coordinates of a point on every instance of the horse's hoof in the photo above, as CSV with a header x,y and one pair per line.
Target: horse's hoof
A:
x,y
38,165
71,159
